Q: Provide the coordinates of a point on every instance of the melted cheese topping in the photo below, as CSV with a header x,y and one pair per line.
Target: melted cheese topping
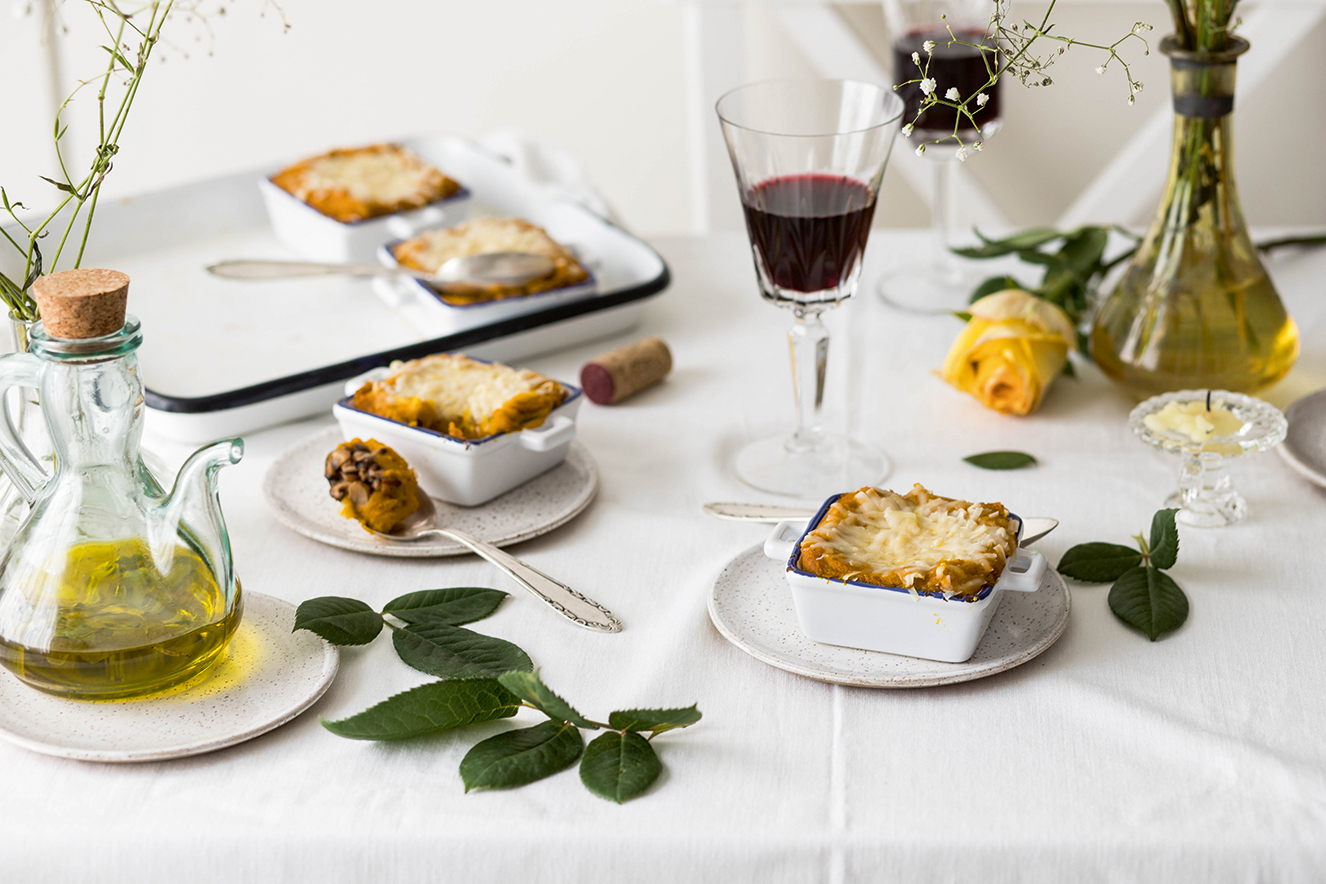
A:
x,y
457,396
380,176
918,541
433,248
459,387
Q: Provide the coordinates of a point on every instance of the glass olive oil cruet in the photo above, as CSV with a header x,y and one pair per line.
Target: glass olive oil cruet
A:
x,y
111,588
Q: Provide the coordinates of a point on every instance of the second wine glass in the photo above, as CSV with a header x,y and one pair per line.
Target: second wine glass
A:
x,y
809,156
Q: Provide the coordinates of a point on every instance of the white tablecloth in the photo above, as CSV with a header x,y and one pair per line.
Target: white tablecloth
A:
x,y
1200,758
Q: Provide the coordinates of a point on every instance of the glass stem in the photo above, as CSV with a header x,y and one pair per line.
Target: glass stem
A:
x,y
943,217
808,343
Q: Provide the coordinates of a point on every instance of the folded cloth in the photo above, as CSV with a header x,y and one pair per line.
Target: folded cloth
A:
x,y
553,168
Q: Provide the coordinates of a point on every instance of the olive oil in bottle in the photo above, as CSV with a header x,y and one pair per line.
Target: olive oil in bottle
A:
x,y
128,625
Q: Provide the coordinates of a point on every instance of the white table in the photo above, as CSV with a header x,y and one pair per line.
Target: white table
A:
x,y
1200,758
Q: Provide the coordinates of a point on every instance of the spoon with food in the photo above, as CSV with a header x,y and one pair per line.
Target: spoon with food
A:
x,y
464,272
377,487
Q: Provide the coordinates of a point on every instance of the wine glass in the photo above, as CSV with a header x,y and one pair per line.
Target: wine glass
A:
x,y
809,156
936,281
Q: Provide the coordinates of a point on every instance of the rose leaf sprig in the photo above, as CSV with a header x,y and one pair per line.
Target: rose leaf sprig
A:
x,y
485,679
1143,595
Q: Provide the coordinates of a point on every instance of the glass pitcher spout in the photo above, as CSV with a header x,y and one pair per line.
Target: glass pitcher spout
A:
x,y
195,501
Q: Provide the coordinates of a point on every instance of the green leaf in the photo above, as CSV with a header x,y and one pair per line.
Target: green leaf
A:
x,y
1164,539
1001,460
521,756
340,621
453,652
1149,600
992,285
429,709
453,606
530,688
619,766
656,720
963,315
1069,371
1098,562
994,248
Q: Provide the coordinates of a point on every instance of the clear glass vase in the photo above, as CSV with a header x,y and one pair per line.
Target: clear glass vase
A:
x,y
1195,308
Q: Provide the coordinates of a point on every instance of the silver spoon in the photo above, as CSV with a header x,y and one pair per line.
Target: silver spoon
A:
x,y
467,271
1033,529
557,595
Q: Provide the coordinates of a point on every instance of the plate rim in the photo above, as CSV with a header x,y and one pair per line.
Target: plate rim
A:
x,y
1286,448
422,550
331,661
963,671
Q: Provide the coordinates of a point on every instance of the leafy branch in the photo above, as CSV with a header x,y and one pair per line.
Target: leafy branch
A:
x,y
1143,595
485,679
132,31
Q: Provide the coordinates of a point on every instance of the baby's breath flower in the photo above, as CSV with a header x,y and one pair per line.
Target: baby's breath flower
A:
x,y
1131,100
907,130
952,93
928,46
981,100
920,151
928,85
962,154
1137,85
916,59
1101,69
980,145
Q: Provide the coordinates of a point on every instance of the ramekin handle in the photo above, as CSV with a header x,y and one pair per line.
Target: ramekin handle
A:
x,y
1024,573
783,537
547,437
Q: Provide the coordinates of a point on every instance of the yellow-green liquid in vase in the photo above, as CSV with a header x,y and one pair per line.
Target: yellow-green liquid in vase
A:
x,y
124,627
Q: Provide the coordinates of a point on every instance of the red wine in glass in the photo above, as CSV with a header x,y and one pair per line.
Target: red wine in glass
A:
x,y
956,65
809,233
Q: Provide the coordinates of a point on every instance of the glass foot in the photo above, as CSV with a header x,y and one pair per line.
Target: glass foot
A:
x,y
836,464
925,291
1209,511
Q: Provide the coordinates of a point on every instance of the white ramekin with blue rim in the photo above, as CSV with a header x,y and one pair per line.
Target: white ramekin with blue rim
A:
x,y
467,472
319,237
895,620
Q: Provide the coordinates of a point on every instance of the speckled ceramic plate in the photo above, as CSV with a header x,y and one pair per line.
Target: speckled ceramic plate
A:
x,y
751,605
1304,447
269,676
297,493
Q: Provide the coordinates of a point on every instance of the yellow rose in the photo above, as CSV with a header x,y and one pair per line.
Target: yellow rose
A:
x,y
1013,347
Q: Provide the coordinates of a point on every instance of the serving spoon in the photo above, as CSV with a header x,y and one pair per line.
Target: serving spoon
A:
x,y
555,594
1033,529
466,271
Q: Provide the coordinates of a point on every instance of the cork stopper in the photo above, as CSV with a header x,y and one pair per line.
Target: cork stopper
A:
x,y
626,371
82,303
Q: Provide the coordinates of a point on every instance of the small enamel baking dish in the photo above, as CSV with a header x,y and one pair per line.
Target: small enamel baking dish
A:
x,y
414,295
895,620
460,471
314,235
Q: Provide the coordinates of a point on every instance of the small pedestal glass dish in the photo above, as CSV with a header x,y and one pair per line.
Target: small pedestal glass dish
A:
x,y
1206,497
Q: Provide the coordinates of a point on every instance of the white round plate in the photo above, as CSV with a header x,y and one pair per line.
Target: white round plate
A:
x,y
297,493
751,605
269,676
1304,447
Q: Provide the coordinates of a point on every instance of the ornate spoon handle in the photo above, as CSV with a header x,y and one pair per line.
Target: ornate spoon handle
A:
x,y
557,595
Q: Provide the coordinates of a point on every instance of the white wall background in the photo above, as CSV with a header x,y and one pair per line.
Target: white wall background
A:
x,y
606,79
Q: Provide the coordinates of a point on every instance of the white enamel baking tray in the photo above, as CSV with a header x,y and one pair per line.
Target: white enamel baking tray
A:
x,y
222,357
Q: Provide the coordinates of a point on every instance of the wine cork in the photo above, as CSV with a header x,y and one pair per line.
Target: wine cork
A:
x,y
82,303
626,371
